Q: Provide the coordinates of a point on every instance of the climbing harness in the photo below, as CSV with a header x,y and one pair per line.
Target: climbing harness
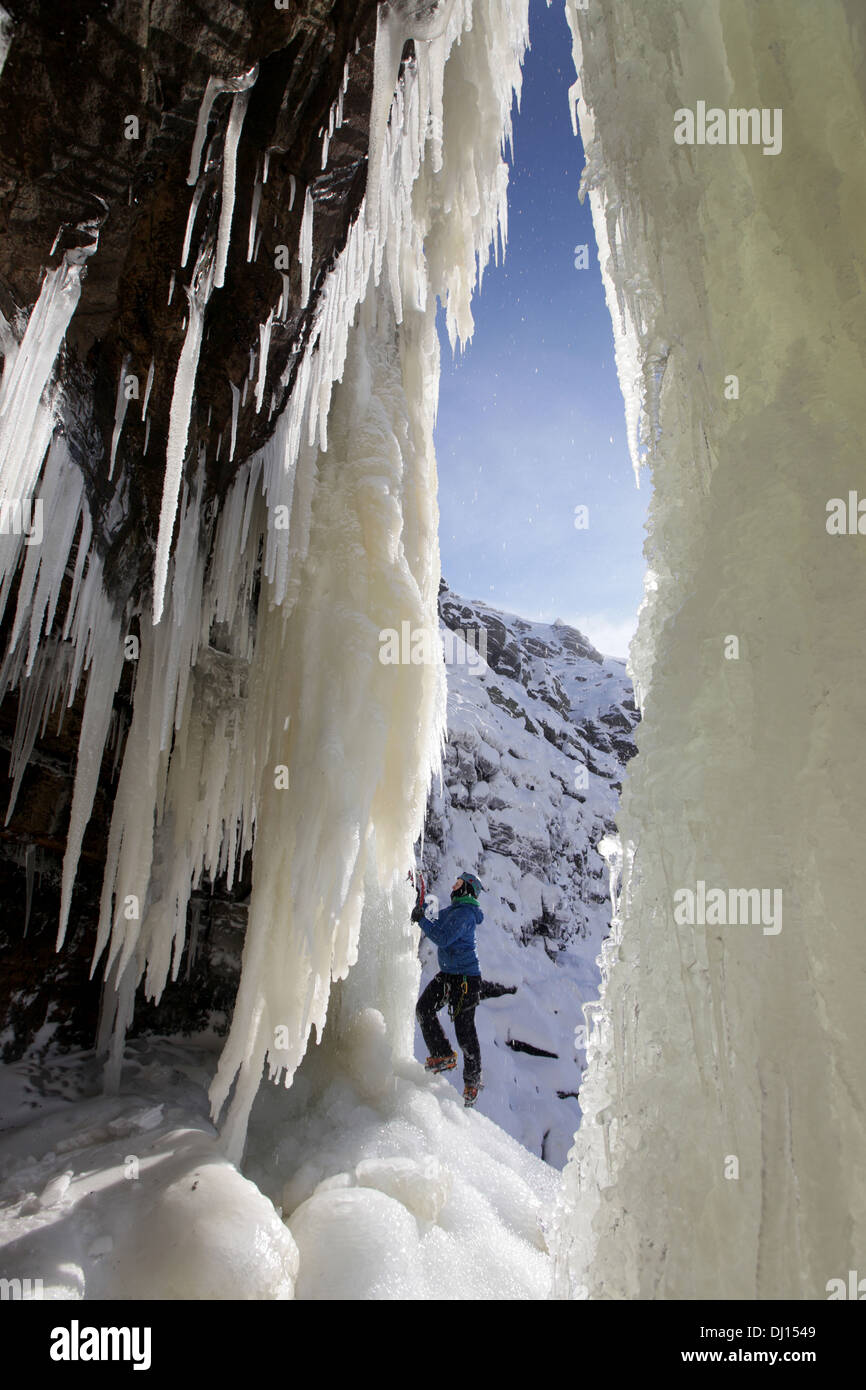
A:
x,y
455,1005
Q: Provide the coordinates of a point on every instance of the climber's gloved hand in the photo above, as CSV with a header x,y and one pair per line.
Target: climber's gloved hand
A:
x,y
417,912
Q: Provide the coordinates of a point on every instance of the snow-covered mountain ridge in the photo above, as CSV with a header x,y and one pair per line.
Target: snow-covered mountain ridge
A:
x,y
539,734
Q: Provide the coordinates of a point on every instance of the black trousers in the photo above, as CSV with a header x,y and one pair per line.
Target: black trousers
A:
x,y
437,994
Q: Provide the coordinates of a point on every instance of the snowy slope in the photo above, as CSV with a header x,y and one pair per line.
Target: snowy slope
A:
x,y
538,737
373,1186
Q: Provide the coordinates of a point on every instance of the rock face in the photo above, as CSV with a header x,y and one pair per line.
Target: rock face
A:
x,y
539,735
99,107
98,112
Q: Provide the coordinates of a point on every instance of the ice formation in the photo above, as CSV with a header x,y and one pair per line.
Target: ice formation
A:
x,y
179,418
119,412
227,202
254,214
711,1049
148,387
341,505
386,1188
5,36
723,1106
129,1196
26,419
305,250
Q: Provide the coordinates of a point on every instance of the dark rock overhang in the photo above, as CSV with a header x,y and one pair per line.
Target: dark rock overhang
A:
x,y
74,77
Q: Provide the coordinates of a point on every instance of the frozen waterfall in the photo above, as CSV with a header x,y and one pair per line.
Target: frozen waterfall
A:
x,y
724,1100
285,732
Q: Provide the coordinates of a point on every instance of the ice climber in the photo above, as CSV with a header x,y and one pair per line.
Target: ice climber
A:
x,y
458,983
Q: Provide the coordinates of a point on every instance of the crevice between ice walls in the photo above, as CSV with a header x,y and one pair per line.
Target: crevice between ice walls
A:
x,y
262,717
720,1150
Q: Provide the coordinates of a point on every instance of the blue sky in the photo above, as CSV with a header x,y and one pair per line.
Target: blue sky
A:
x,y
531,422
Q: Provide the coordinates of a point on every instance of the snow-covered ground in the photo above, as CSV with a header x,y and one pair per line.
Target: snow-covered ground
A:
x,y
379,1186
538,737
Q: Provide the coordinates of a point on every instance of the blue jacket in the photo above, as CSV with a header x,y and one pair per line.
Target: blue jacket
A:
x,y
454,934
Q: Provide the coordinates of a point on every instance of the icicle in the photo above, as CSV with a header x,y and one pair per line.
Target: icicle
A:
x,y
573,100
178,429
284,297
146,435
254,213
6,32
305,250
102,683
266,166
325,143
60,503
291,192
391,36
171,286
215,85
265,343
120,406
25,375
227,204
147,388
190,223
236,399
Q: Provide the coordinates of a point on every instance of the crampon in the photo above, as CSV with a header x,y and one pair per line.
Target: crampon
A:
x,y
447,1063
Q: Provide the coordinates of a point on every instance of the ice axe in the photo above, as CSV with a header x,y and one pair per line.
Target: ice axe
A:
x,y
416,878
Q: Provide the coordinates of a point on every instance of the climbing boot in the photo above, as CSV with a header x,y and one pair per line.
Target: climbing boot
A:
x,y
470,1096
441,1063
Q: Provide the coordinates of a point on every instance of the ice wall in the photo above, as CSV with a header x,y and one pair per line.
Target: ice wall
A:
x,y
720,1153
